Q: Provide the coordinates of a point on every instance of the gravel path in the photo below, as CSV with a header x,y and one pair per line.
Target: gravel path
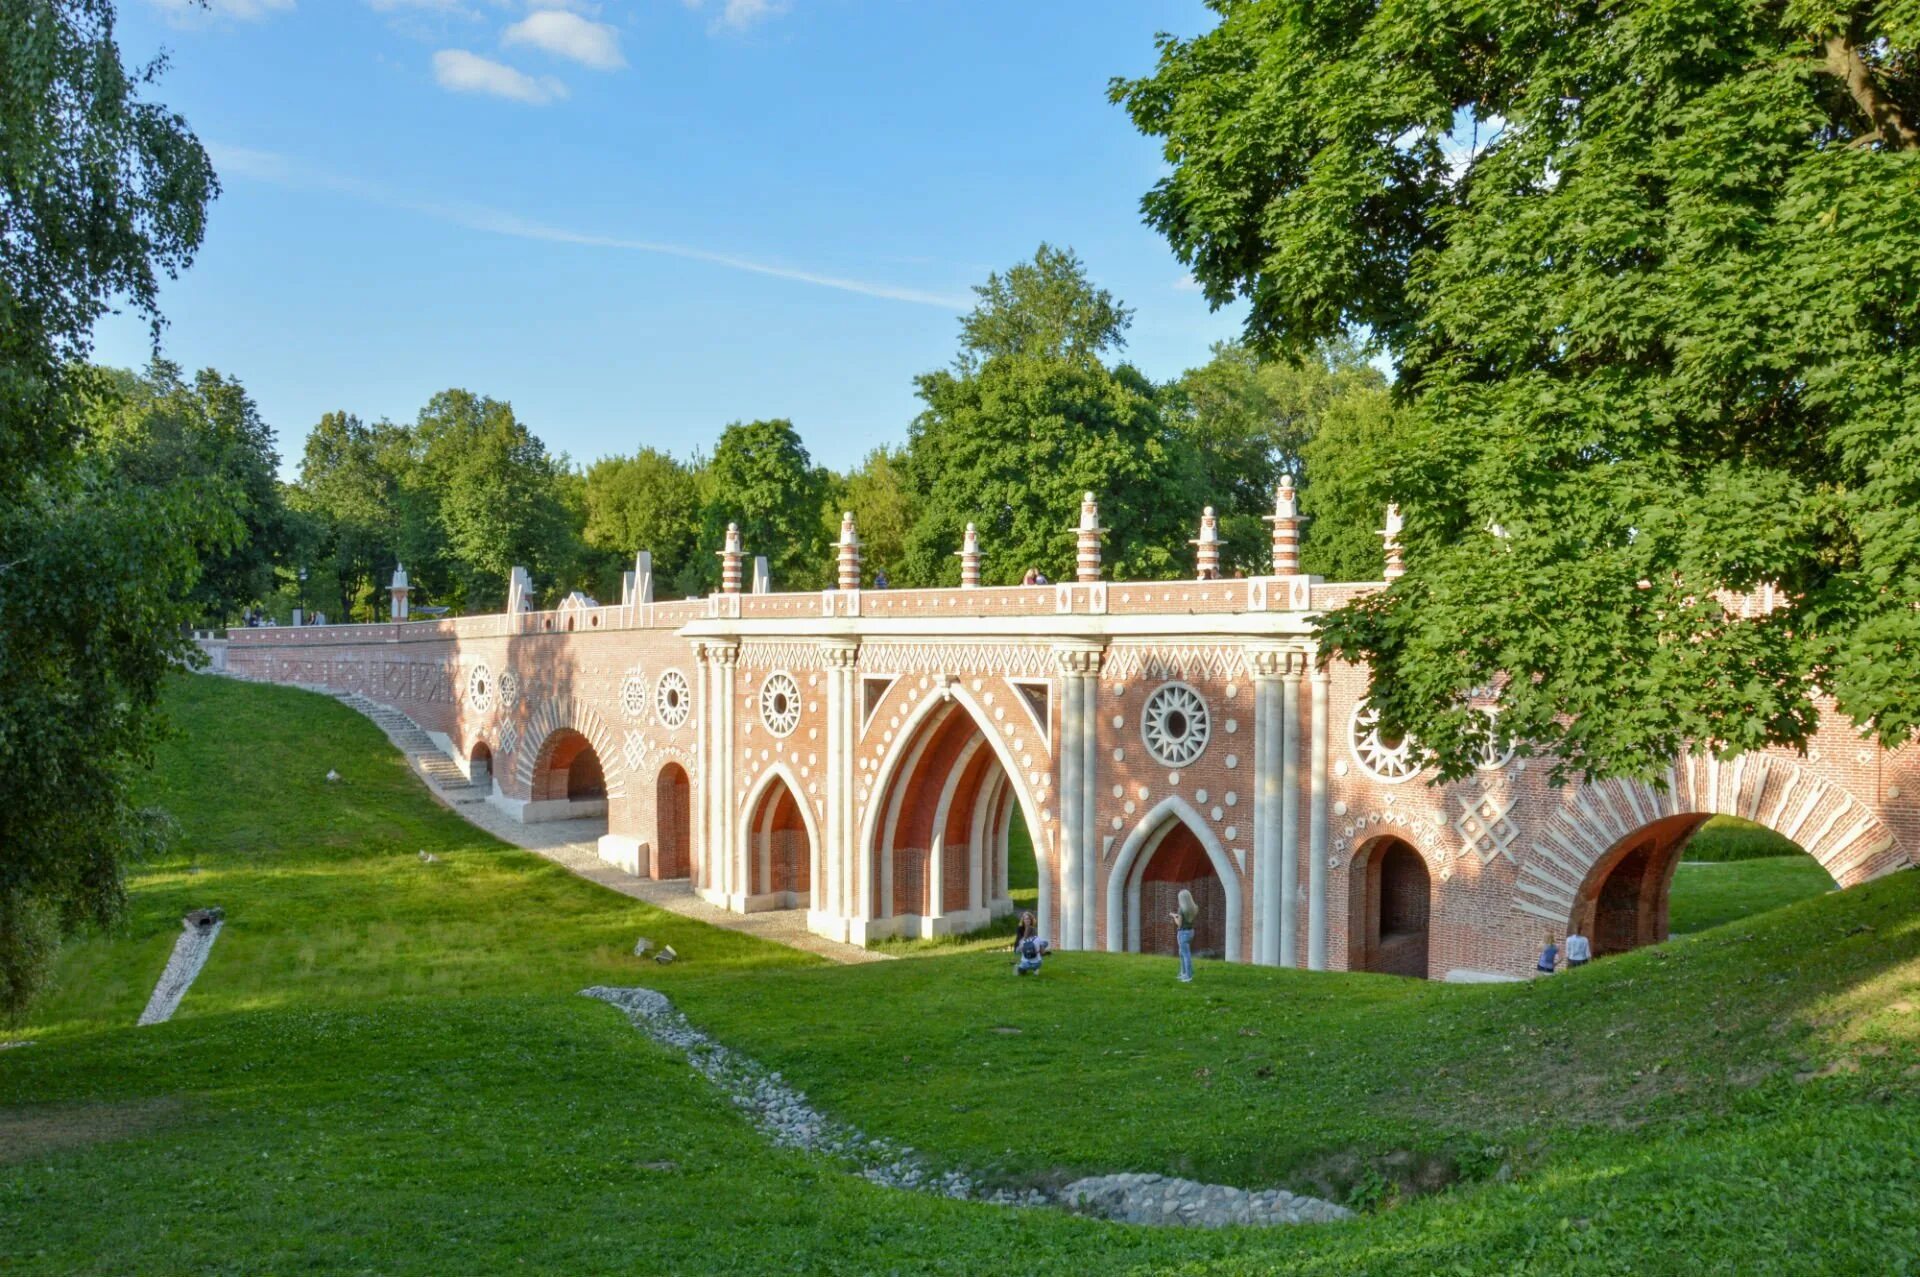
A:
x,y
189,955
784,1116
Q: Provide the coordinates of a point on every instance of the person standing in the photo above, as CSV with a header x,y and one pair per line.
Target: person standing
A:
x,y
1579,951
1185,919
1549,956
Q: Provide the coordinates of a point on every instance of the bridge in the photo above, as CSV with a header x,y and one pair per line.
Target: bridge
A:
x,y
867,755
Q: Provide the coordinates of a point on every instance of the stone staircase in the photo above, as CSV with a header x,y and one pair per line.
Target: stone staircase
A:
x,y
441,773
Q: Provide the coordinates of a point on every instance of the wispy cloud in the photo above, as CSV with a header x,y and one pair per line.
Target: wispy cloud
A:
x,y
738,15
269,166
188,11
462,72
568,35
1186,284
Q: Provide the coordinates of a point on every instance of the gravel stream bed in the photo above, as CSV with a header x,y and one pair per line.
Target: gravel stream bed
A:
x,y
783,1114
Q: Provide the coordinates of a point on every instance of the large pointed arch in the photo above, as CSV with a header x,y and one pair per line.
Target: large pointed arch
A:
x,y
1142,840
886,799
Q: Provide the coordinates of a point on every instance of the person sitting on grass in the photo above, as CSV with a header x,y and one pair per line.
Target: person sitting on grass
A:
x,y
1030,953
1548,956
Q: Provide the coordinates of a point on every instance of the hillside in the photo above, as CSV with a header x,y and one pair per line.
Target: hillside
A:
x,y
384,1068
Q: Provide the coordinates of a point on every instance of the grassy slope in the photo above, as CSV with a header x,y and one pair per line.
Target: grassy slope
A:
x,y
382,1069
1716,892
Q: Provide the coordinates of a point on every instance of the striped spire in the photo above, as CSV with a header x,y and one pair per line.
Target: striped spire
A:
x,y
969,554
1087,564
730,561
1286,529
1396,561
1206,548
849,553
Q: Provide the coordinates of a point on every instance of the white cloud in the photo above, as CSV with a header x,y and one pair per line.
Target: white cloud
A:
x,y
463,72
1186,284
186,11
268,166
738,15
591,44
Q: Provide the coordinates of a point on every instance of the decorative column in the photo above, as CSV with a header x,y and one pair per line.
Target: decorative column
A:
x,y
849,553
1396,560
1286,529
1268,726
725,657
700,839
1317,828
969,555
835,900
1087,564
1079,833
730,558
400,591
1288,937
1206,548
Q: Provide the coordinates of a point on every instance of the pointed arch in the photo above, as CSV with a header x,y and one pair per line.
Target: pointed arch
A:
x,y
757,836
1142,841
886,798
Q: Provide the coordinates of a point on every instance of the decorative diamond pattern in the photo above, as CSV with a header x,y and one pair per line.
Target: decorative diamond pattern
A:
x,y
1484,827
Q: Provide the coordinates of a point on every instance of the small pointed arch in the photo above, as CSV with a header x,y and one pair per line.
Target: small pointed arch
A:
x,y
1144,842
779,841
1390,909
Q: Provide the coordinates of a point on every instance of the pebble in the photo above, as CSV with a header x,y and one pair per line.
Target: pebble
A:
x,y
784,1116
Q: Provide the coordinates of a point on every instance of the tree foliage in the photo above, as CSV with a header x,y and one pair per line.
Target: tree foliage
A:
x,y
651,502
1651,280
1042,309
762,478
101,195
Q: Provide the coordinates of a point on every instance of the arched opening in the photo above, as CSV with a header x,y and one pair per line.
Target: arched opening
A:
x,y
568,780
1170,849
1688,873
941,838
1179,863
1392,905
779,850
672,831
480,766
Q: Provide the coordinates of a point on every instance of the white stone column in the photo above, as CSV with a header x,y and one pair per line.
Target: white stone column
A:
x,y
1288,887
700,816
839,830
1317,828
725,656
1079,667
1267,725
1072,794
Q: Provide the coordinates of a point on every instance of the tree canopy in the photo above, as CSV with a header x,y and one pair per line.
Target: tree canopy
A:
x,y
1651,282
102,194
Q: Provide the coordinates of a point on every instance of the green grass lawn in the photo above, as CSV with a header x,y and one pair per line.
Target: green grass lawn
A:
x,y
1713,893
384,1069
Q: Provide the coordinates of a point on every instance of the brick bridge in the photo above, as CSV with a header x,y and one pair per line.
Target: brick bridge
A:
x,y
866,756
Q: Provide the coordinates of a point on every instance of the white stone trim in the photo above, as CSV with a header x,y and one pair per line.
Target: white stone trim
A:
x,y
1152,827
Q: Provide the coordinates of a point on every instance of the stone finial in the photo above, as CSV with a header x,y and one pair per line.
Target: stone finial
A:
x,y
969,554
1087,564
1206,548
1396,561
762,576
401,590
730,558
849,553
1286,529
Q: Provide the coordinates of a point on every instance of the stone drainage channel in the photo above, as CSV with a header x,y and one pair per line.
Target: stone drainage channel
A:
x,y
199,929
783,1115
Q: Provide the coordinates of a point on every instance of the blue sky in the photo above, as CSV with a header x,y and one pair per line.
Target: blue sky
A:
x,y
638,221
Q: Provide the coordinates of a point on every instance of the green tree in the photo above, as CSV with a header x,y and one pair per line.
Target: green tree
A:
x,y
1249,421
649,501
1347,460
157,429
883,508
1650,278
495,496
1012,446
1046,309
101,194
348,495
762,478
